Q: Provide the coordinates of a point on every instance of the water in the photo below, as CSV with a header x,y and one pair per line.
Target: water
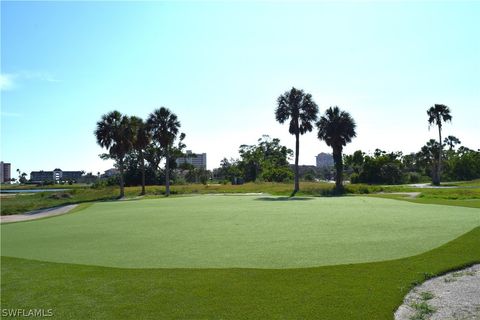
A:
x,y
30,190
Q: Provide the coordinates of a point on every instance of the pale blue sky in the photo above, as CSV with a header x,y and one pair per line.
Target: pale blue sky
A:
x,y
221,65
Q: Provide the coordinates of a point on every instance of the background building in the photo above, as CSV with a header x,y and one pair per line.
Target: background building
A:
x,y
324,160
5,172
198,160
111,172
55,175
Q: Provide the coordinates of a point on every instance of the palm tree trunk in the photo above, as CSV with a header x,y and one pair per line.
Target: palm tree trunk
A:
x,y
439,166
167,175
122,187
142,164
337,159
297,150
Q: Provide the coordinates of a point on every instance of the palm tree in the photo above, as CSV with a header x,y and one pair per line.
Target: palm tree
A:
x,y
436,115
114,133
140,142
302,111
164,125
451,142
336,128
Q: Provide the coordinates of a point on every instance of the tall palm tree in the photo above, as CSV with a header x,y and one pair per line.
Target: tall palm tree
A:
x,y
164,126
302,111
114,133
436,115
140,142
336,128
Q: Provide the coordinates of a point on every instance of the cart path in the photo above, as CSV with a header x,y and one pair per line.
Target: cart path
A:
x,y
37,214
455,295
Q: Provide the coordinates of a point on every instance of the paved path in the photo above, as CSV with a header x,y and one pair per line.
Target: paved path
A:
x,y
410,195
37,214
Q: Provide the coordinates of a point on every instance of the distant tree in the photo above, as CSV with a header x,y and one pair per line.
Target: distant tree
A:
x,y
114,133
164,127
336,128
267,160
196,175
428,156
302,111
355,161
436,115
451,142
141,140
228,170
22,177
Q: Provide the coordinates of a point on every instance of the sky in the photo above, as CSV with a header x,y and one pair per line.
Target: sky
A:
x,y
220,66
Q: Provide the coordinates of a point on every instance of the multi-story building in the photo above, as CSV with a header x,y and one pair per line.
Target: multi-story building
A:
x,y
111,172
324,160
198,160
5,172
55,175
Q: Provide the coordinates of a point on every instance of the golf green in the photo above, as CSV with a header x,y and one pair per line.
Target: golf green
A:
x,y
238,232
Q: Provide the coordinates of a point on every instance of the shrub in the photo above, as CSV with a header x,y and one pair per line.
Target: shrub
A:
x,y
413,177
62,195
354,178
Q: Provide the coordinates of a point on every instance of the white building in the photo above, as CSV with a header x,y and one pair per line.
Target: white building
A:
x,y
324,160
198,160
111,172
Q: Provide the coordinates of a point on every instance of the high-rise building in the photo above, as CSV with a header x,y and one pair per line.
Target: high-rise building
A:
x,y
324,160
5,172
198,160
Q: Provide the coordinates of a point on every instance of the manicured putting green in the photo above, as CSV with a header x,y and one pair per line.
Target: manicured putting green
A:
x,y
238,231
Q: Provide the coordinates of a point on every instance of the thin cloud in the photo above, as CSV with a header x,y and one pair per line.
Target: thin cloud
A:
x,y
36,75
10,114
6,81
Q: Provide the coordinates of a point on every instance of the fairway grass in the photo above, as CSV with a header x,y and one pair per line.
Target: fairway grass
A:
x,y
360,291
238,232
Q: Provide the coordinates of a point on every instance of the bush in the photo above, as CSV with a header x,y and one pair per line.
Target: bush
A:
x,y
180,180
102,183
99,184
63,195
413,177
279,174
309,177
391,173
354,178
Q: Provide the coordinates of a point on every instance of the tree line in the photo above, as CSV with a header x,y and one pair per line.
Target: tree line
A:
x,y
381,167
140,146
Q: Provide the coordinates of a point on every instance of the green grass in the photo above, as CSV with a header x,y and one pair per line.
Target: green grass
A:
x,y
31,201
78,194
469,198
358,291
348,291
238,231
467,190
